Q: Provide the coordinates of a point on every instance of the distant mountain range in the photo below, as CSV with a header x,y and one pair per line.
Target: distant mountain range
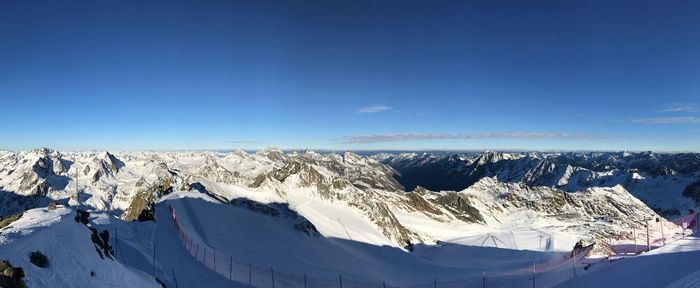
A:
x,y
667,182
404,196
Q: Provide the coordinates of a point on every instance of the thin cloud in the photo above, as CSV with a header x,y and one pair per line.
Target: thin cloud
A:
x,y
373,109
667,120
374,138
680,108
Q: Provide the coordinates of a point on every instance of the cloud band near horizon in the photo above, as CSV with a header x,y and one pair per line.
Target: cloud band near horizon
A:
x,y
399,137
667,120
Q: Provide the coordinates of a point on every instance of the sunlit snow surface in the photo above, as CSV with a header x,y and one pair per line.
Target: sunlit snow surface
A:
x,y
675,265
272,243
71,255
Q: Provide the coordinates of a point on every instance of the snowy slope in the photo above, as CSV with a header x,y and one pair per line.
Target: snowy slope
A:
x,y
267,241
331,214
675,265
71,253
345,195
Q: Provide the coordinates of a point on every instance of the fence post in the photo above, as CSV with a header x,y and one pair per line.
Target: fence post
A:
x,y
230,269
272,272
304,280
196,255
483,279
573,262
434,283
154,260
533,274
250,274
663,237
383,284
648,243
116,243
174,279
340,277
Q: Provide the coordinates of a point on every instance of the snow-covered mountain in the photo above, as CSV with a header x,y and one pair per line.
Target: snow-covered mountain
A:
x,y
544,188
666,182
525,201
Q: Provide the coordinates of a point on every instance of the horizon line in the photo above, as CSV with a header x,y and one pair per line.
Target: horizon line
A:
x,y
378,150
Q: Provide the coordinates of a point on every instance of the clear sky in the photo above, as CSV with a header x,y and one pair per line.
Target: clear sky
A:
x,y
540,75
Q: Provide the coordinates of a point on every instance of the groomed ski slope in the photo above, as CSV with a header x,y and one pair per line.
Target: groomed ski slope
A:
x,y
241,237
134,243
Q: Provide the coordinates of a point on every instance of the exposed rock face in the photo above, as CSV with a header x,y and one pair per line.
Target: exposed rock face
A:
x,y
11,277
27,178
281,210
213,171
7,220
331,187
603,213
460,206
101,242
107,165
38,259
36,179
692,191
379,213
163,181
273,209
305,176
274,154
308,228
637,172
417,202
361,172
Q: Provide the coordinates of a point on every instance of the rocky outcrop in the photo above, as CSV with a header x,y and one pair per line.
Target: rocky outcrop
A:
x,y
104,165
39,259
380,214
601,213
692,191
11,277
101,242
460,206
335,188
163,182
416,202
280,210
213,171
7,220
308,228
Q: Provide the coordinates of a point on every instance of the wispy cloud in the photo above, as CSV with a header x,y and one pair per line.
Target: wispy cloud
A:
x,y
667,120
681,108
373,138
373,109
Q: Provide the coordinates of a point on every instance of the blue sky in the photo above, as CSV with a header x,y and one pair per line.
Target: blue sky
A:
x,y
539,75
